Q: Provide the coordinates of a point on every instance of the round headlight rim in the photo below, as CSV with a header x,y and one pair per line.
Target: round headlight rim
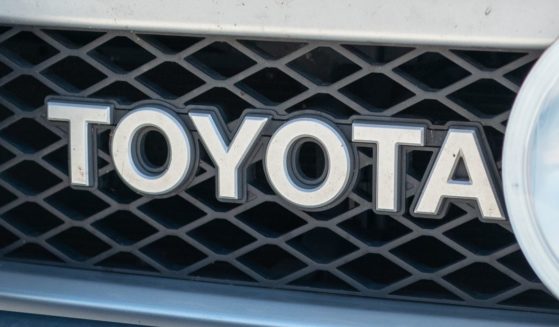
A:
x,y
517,167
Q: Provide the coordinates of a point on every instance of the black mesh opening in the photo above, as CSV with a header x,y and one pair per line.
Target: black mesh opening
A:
x,y
124,227
322,245
480,238
28,135
486,96
432,110
121,54
374,271
26,92
517,262
518,75
78,244
5,155
221,60
428,254
4,70
221,236
271,262
74,74
373,229
34,253
26,48
173,212
121,92
6,237
5,112
271,86
29,177
170,80
325,103
386,94
6,197
173,253
31,219
76,204
58,159
271,219
324,66
433,70
481,280
112,185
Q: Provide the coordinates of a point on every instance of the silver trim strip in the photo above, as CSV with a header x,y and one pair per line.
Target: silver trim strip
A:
x,y
493,23
156,301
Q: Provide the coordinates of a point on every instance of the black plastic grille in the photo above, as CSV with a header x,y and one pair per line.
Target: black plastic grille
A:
x,y
347,249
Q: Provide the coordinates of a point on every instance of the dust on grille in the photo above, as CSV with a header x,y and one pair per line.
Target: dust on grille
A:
x,y
347,249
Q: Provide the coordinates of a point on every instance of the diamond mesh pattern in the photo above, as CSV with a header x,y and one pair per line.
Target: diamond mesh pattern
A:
x,y
347,249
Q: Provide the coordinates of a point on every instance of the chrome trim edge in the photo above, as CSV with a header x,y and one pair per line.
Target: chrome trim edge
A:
x,y
491,23
156,301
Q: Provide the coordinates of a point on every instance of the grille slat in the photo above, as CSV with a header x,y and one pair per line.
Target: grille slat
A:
x,y
347,249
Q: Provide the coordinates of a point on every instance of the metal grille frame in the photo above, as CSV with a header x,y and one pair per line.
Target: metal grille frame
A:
x,y
372,255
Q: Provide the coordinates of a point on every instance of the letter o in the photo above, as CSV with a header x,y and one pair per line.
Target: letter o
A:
x,y
124,150
338,157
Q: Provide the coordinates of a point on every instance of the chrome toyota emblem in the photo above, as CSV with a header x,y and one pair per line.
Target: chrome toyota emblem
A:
x,y
229,151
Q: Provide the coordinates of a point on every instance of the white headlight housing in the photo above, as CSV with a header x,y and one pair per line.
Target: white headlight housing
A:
x,y
531,168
